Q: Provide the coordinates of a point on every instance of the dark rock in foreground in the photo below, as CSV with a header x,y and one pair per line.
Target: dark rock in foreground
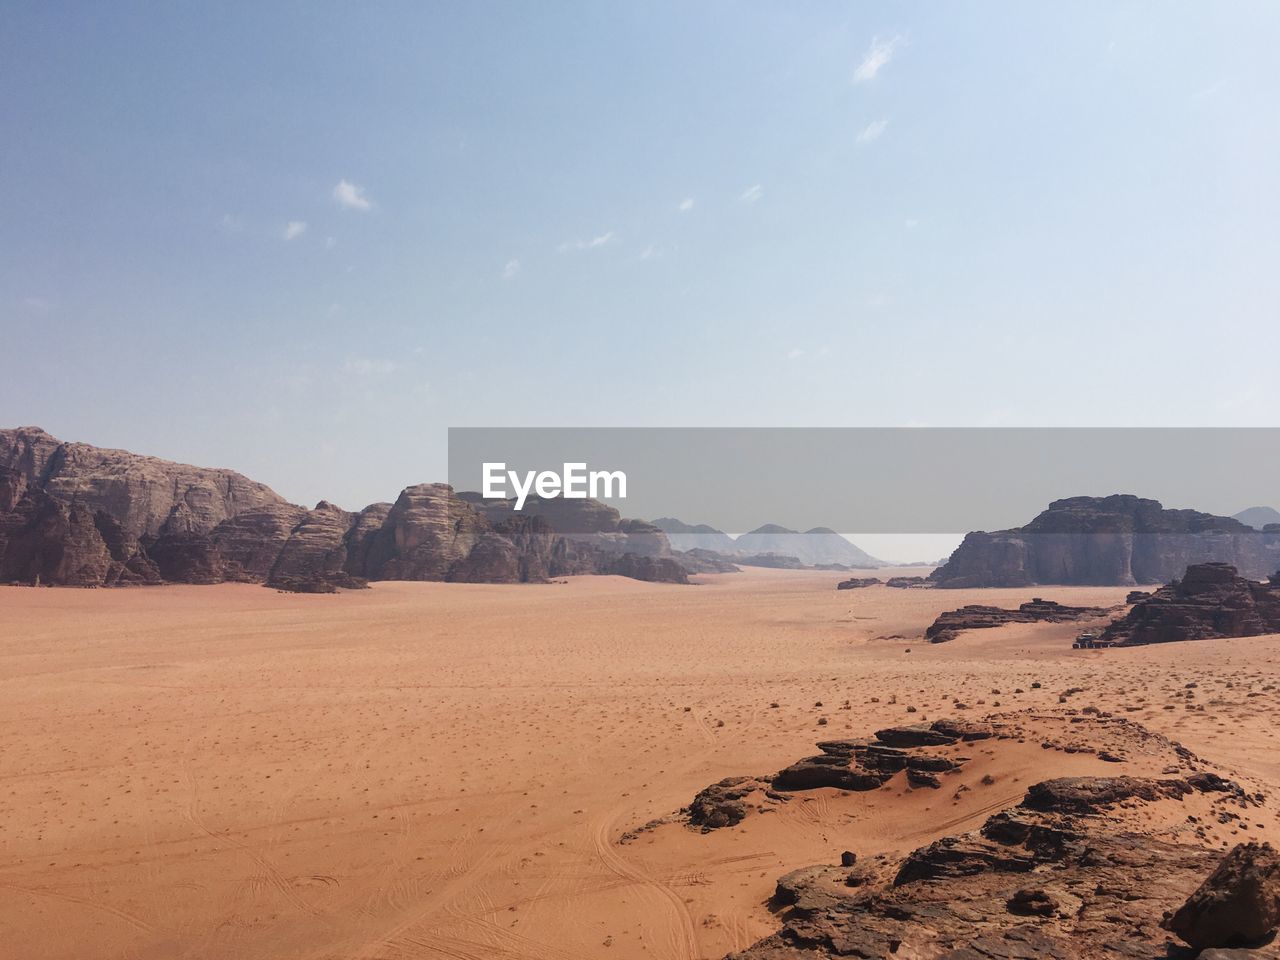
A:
x,y
1030,884
1238,905
1210,601
950,625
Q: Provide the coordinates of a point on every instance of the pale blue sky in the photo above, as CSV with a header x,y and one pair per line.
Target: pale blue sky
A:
x,y
301,240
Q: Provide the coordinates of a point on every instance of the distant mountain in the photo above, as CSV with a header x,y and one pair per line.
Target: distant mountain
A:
x,y
1258,517
695,536
817,547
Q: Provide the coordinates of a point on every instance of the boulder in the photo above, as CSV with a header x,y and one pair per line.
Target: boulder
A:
x,y
1238,905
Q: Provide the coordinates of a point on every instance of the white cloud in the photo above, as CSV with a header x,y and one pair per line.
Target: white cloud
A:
x,y
330,242
795,353
512,269
872,131
912,223
350,196
231,223
595,242
752,193
881,53
650,252
368,367
686,205
294,229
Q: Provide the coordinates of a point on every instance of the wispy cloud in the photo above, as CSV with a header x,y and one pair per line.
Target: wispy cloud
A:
x,y
795,353
651,252
872,131
685,205
294,229
511,270
351,197
368,367
877,57
594,243
752,193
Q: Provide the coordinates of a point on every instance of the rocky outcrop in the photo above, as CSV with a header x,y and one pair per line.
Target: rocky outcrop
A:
x,y
908,583
951,624
139,492
316,551
76,515
1117,541
1078,869
1211,600
857,583
1238,905
704,561
250,543
724,804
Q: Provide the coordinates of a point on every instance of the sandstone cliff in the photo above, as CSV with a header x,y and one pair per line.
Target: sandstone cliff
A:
x,y
77,515
1117,540
139,492
1211,600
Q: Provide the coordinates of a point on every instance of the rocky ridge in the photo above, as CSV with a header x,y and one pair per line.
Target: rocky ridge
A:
x,y
1210,600
1107,541
951,624
1079,868
73,514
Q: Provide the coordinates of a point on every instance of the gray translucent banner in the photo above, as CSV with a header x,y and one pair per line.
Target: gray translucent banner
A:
x,y
879,480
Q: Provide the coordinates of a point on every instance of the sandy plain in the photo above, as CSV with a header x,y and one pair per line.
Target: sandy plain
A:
x,y
448,770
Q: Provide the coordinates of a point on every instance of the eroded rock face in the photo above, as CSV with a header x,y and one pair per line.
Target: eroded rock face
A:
x,y
79,515
316,551
951,624
856,583
1118,540
250,543
1031,883
139,492
1210,601
1238,905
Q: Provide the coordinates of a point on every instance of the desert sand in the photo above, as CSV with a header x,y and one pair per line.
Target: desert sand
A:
x,y
452,770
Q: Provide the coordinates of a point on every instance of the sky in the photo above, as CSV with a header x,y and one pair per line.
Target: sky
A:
x,y
303,240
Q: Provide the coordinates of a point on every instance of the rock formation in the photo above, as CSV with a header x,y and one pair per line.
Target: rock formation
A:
x,y
857,583
951,624
73,514
1116,541
908,583
139,492
1211,600
1078,869
1238,905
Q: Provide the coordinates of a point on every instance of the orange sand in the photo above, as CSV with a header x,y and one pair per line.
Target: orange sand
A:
x,y
444,770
